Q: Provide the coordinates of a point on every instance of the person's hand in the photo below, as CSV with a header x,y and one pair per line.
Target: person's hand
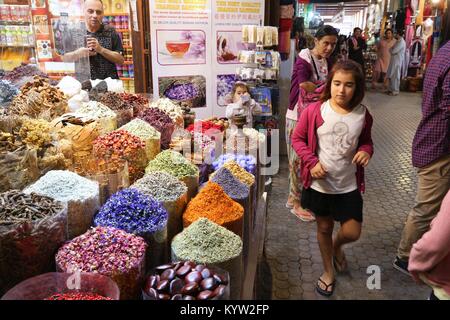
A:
x,y
361,158
319,171
245,98
94,45
85,53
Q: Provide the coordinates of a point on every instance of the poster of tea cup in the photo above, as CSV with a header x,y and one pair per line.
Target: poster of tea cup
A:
x,y
229,43
181,47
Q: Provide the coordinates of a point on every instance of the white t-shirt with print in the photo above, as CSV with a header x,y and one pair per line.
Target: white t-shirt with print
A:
x,y
337,145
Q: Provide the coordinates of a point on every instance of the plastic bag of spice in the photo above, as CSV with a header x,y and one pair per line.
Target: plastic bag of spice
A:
x,y
111,177
213,203
80,194
137,213
119,146
18,168
47,285
205,242
177,165
148,134
80,132
110,252
171,192
106,117
32,228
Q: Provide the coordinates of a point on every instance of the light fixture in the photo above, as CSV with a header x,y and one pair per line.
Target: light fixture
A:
x,y
435,1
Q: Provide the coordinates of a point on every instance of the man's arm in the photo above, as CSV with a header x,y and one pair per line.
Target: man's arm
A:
x,y
77,55
112,56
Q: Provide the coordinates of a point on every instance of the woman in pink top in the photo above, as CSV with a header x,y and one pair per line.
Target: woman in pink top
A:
x,y
429,260
384,57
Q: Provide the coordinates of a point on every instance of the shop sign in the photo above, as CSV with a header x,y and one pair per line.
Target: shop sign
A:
x,y
195,46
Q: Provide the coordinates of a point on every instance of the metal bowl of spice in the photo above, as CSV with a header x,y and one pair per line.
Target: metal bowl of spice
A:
x,y
55,286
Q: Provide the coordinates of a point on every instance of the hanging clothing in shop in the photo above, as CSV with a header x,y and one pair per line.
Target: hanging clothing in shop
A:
x,y
415,54
428,28
414,5
284,45
419,17
429,49
409,36
400,20
427,11
409,13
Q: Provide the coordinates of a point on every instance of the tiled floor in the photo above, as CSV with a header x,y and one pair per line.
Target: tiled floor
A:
x,y
293,261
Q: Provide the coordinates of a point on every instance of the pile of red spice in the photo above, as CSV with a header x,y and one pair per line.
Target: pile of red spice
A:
x,y
77,296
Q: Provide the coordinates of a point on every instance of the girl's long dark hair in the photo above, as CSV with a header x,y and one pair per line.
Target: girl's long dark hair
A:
x,y
354,68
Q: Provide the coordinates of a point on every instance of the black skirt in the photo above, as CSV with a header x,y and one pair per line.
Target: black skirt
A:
x,y
341,207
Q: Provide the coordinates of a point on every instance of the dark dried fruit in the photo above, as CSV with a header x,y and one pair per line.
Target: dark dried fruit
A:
x,y
204,295
190,288
194,276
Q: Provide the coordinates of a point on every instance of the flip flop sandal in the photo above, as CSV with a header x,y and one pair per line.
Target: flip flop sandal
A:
x,y
340,266
325,292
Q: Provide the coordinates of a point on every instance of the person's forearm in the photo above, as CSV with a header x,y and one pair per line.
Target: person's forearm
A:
x,y
71,57
112,56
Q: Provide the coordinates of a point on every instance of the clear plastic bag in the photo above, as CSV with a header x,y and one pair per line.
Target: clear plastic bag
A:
x,y
48,284
192,184
233,266
27,249
18,168
175,211
129,281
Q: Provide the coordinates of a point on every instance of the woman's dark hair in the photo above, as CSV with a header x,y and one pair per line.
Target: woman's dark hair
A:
x,y
356,29
354,68
387,30
326,30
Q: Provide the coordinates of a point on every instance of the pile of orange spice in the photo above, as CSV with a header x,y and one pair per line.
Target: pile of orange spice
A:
x,y
214,204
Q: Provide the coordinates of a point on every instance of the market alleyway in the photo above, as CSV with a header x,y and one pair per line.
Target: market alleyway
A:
x,y
291,248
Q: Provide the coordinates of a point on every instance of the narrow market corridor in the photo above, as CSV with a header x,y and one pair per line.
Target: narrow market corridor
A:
x,y
291,248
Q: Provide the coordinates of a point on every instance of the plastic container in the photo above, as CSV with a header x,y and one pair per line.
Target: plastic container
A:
x,y
192,184
234,268
48,284
27,249
146,295
110,179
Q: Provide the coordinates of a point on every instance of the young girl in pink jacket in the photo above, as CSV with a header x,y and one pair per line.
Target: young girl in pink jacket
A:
x,y
333,141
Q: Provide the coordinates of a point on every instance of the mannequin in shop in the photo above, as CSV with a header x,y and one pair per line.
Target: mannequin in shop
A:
x,y
309,73
395,66
103,46
384,58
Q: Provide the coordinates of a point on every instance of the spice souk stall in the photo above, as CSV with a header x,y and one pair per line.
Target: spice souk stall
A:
x,y
128,193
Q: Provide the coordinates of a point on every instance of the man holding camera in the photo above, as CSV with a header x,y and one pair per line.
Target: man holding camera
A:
x,y
103,45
